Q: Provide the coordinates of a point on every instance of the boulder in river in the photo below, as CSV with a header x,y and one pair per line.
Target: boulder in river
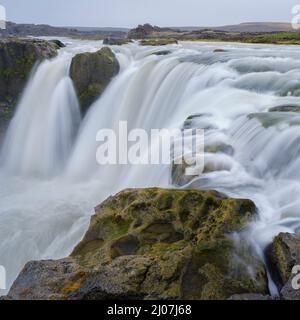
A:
x,y
154,244
91,73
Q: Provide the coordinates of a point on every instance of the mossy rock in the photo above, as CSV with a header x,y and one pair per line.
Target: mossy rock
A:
x,y
161,244
185,233
17,59
286,108
284,254
91,73
58,43
116,41
157,42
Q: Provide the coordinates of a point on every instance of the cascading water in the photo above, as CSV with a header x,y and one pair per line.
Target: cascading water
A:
x,y
50,180
45,125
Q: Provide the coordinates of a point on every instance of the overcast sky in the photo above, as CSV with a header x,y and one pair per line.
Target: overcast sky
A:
x,y
129,13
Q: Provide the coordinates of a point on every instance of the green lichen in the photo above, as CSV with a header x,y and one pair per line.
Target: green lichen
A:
x,y
186,234
91,72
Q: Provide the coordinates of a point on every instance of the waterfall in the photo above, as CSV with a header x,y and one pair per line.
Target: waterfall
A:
x,y
50,180
42,132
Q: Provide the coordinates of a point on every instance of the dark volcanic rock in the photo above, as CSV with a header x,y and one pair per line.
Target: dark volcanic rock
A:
x,y
91,73
284,259
154,244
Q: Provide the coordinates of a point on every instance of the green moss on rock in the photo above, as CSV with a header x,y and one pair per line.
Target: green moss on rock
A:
x,y
157,42
284,254
165,244
185,234
91,73
17,59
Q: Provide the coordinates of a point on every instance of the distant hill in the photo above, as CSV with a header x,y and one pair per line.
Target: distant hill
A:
x,y
143,31
22,30
105,29
247,27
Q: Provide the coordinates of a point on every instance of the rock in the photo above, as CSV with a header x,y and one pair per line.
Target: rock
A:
x,y
211,164
162,53
219,50
284,255
250,296
17,59
116,41
122,279
142,31
158,42
58,43
154,244
91,73
51,280
286,108
149,31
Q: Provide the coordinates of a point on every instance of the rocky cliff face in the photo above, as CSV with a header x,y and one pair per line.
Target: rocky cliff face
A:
x,y
154,244
17,58
91,73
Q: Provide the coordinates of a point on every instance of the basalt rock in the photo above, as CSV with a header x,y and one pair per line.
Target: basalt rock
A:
x,y
91,73
284,260
154,244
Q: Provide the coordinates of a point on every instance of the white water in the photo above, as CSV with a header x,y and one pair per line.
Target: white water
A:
x,y
50,181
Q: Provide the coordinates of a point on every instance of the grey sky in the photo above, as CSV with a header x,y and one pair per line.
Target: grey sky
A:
x,y
129,13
